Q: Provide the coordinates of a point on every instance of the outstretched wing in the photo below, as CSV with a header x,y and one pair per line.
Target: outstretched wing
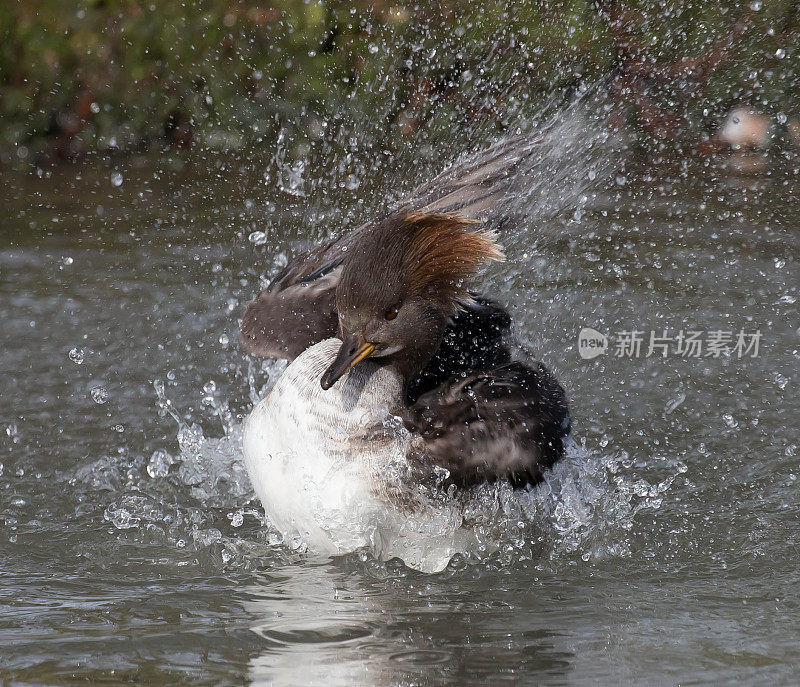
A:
x,y
481,186
505,423
297,309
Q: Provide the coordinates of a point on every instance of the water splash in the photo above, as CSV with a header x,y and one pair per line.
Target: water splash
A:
x,y
200,500
290,176
562,159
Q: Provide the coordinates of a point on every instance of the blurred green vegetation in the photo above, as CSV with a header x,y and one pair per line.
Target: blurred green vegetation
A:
x,y
128,74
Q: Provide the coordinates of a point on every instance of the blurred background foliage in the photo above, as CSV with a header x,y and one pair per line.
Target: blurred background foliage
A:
x,y
125,75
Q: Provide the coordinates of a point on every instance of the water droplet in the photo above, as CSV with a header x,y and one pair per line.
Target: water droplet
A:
x,y
258,238
76,355
209,389
674,403
730,421
99,394
780,53
780,381
13,433
159,464
116,179
236,518
121,517
756,5
352,182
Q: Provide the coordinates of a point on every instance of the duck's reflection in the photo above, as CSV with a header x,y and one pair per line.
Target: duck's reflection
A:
x,y
333,623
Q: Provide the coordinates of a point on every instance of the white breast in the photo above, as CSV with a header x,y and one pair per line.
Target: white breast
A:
x,y
322,462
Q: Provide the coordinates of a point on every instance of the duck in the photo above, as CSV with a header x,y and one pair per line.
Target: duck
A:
x,y
746,133
402,406
746,128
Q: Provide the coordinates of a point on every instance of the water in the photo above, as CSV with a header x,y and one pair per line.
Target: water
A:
x,y
131,546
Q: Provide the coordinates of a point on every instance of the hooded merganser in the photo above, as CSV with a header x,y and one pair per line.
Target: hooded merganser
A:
x,y
402,399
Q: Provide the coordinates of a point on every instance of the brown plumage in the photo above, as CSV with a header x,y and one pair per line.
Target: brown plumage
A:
x,y
298,309
398,291
445,253
481,420
507,422
415,255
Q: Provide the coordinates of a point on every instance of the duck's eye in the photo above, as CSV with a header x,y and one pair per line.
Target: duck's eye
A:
x,y
391,313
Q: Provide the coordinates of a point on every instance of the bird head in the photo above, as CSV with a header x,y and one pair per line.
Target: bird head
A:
x,y
404,279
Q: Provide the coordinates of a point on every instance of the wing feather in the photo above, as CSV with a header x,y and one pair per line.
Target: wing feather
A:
x,y
505,423
297,309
